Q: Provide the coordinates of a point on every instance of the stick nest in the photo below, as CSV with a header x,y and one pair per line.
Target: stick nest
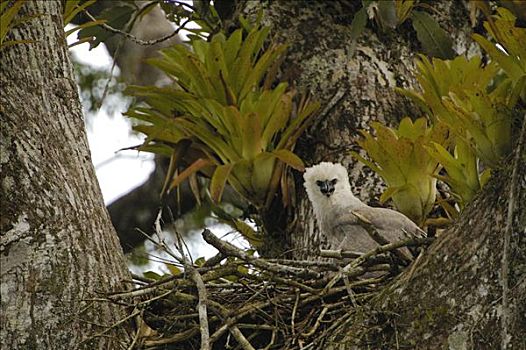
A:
x,y
237,301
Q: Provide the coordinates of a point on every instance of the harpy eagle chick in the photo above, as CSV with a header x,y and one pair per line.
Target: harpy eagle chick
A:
x,y
329,191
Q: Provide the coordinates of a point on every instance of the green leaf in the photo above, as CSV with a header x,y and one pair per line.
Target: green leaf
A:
x,y
387,14
403,9
232,47
73,7
433,38
510,64
248,233
398,156
200,261
388,193
257,73
252,132
157,148
82,26
7,17
247,53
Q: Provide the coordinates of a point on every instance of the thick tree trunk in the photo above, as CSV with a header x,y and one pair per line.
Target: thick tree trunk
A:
x,y
58,248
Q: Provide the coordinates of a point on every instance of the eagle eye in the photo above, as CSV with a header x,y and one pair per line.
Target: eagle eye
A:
x,y
319,183
334,181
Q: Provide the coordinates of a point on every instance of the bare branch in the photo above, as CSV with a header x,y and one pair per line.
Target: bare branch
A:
x,y
134,38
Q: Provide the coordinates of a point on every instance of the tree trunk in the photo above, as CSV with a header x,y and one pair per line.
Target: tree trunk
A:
x,y
58,247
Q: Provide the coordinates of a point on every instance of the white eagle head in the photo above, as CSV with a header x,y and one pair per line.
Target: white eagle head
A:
x,y
326,180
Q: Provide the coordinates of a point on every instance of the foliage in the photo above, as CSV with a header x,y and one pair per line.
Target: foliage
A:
x,y
461,168
222,117
119,18
9,9
389,14
458,93
476,102
399,157
435,41
502,29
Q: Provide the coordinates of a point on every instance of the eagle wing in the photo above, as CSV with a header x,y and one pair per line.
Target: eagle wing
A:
x,y
390,225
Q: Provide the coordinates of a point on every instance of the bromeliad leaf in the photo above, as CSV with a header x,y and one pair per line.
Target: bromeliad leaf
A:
x,y
218,182
192,169
399,157
222,105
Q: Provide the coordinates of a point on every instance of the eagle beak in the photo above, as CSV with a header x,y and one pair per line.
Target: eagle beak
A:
x,y
326,187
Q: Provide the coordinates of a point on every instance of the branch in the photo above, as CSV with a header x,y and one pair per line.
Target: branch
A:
x,y
134,38
378,250
196,278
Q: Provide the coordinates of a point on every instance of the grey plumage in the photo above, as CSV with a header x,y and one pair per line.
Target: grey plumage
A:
x,y
329,191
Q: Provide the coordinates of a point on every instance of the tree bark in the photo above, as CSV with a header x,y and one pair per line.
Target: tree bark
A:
x,y
58,248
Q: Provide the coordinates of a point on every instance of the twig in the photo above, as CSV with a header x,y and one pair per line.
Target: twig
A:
x,y
134,38
307,263
272,340
230,321
339,254
245,344
380,249
347,284
139,321
196,277
176,338
317,324
293,317
201,307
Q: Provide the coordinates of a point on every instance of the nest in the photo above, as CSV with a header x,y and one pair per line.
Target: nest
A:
x,y
238,301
